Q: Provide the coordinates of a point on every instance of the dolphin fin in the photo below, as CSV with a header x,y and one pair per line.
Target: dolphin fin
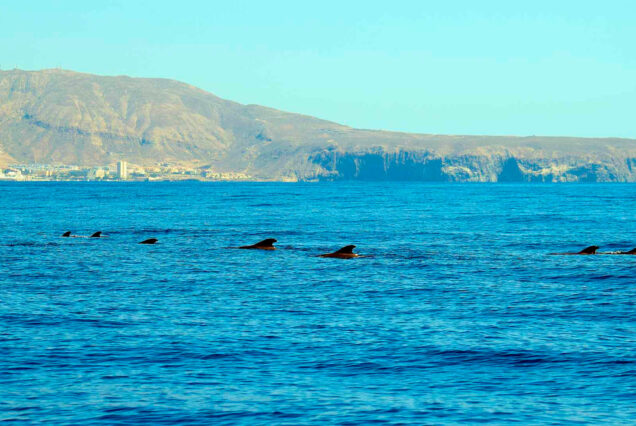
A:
x,y
67,234
149,241
97,234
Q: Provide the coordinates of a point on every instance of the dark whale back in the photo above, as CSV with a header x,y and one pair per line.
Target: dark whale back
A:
x,y
149,241
345,250
344,253
267,244
589,250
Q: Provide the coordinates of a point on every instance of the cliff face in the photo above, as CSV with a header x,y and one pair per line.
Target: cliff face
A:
x,y
56,116
426,166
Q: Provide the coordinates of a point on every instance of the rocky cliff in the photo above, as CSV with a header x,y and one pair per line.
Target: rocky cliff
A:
x,y
57,116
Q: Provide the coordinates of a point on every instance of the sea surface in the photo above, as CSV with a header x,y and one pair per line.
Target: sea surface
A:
x,y
458,314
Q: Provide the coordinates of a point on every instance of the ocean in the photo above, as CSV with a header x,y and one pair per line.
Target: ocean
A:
x,y
456,314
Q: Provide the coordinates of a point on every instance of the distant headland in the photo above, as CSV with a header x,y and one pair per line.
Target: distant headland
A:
x,y
63,125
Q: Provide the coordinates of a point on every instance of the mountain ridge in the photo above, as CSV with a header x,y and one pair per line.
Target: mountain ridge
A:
x,y
60,116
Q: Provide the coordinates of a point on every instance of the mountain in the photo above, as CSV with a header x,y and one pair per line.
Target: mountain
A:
x,y
58,116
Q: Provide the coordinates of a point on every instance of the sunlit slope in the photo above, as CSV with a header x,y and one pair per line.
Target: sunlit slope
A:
x,y
57,116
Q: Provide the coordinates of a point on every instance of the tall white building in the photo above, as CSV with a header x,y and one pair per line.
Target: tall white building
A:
x,y
122,170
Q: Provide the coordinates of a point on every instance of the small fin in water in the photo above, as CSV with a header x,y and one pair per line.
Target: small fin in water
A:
x,y
586,250
267,244
149,241
344,253
67,234
346,250
97,234
589,250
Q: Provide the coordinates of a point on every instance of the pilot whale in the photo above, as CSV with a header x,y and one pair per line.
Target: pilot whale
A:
x,y
267,244
586,251
344,253
149,241
68,234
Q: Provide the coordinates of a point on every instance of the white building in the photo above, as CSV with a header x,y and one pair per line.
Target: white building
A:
x,y
122,170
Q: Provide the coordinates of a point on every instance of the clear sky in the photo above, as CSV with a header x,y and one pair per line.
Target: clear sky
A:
x,y
559,67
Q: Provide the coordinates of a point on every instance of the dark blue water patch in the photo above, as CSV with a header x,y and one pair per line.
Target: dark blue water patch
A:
x,y
261,205
145,231
457,314
37,243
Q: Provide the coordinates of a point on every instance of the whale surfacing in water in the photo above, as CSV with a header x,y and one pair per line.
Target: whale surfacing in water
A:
x,y
149,241
267,244
586,251
67,234
97,234
589,250
344,253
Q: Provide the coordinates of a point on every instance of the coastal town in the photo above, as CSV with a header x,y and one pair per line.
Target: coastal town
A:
x,y
121,171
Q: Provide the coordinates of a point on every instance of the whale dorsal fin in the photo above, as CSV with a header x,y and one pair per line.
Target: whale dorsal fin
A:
x,y
97,234
266,243
632,251
589,250
149,241
345,250
67,234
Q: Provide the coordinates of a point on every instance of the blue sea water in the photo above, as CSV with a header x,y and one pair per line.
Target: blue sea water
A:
x,y
458,315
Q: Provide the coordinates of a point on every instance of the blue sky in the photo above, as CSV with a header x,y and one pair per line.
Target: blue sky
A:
x,y
453,67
